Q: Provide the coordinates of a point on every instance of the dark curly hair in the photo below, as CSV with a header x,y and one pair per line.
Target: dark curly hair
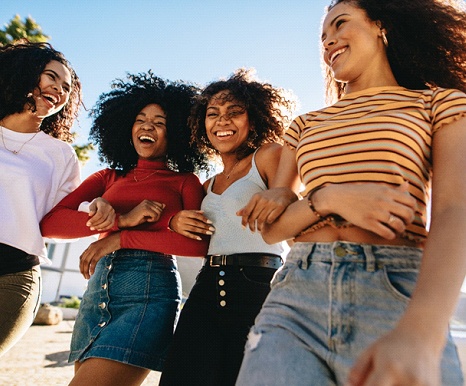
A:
x,y
115,112
21,66
269,110
427,42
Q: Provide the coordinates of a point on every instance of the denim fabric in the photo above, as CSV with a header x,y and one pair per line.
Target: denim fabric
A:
x,y
129,309
328,303
20,294
209,340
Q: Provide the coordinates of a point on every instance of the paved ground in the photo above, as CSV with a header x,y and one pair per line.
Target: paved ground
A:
x,y
40,358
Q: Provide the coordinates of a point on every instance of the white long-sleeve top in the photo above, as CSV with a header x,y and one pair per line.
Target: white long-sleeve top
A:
x,y
31,182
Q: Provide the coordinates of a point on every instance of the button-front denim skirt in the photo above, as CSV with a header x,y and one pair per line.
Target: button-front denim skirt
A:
x,y
129,310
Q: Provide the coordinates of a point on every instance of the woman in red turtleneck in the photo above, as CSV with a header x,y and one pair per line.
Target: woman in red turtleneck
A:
x,y
129,310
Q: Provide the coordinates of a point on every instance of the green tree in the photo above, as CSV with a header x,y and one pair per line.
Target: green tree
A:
x,y
15,30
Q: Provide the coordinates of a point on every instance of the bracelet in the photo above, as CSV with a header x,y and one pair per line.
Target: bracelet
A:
x,y
168,226
311,205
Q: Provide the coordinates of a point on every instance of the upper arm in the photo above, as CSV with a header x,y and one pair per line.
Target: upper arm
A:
x,y
287,171
449,164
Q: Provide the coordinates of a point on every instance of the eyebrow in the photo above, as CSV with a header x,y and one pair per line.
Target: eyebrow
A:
x,y
228,108
58,76
156,116
334,20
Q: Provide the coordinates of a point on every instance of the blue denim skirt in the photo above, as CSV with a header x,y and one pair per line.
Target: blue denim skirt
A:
x,y
129,310
328,303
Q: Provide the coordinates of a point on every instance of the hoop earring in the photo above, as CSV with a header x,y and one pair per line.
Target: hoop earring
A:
x,y
384,39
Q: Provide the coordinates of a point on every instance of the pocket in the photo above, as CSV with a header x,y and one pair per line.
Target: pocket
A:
x,y
260,276
400,281
281,274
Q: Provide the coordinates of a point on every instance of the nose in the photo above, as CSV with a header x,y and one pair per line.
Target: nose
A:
x,y
59,88
226,116
328,42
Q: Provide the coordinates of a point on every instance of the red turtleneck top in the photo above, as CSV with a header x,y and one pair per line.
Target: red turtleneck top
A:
x,y
150,180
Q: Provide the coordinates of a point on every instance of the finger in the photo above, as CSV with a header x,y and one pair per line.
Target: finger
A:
x,y
83,265
245,212
396,223
191,235
360,370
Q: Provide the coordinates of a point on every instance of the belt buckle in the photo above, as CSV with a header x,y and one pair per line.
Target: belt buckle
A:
x,y
222,262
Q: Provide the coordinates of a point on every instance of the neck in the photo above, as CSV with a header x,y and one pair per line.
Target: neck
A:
x,y
23,122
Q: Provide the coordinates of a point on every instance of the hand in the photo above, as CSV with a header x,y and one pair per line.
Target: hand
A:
x,y
97,250
146,211
190,223
381,209
266,207
102,215
397,359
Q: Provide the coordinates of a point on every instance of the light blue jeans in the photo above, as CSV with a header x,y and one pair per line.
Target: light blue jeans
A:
x,y
328,303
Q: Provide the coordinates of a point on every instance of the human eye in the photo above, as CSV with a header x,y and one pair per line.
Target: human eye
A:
x,y
339,22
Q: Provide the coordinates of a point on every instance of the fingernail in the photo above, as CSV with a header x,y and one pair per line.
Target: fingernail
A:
x,y
209,222
209,233
212,229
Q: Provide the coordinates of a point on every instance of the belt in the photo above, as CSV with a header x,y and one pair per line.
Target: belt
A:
x,y
245,260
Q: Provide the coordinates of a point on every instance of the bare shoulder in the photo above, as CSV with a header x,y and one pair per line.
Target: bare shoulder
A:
x,y
268,151
267,159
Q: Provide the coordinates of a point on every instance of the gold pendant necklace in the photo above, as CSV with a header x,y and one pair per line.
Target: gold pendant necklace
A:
x,y
142,179
231,171
15,152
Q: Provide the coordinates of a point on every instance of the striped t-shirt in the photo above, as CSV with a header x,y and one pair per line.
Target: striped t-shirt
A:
x,y
381,134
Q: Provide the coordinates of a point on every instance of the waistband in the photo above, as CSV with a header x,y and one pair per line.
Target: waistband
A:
x,y
372,256
266,260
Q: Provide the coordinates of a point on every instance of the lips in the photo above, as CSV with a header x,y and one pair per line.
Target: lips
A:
x,y
146,139
334,54
51,98
224,133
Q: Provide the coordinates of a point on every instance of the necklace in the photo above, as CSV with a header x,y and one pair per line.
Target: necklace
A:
x,y
142,179
15,152
231,171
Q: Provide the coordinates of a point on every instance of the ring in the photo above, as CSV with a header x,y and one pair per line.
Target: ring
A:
x,y
391,219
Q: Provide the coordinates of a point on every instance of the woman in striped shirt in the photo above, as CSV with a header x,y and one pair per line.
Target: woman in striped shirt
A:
x,y
367,291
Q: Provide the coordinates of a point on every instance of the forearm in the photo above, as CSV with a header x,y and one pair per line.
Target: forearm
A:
x,y
293,220
442,273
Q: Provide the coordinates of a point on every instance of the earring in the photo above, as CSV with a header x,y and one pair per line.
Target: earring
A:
x,y
131,142
384,39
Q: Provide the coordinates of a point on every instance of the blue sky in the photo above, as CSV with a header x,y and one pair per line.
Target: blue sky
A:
x,y
198,41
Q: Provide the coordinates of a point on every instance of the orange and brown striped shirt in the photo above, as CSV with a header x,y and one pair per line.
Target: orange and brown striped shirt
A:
x,y
381,134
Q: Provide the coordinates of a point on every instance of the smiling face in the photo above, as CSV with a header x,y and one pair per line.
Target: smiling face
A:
x,y
353,48
149,133
54,89
227,123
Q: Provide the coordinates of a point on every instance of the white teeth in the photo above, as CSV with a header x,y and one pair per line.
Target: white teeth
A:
x,y
146,138
336,53
224,133
50,98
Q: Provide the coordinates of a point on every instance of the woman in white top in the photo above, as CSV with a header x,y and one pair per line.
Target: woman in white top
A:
x,y
40,95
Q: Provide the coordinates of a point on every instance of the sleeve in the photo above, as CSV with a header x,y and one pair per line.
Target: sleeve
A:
x,y
64,221
165,240
71,178
293,133
448,105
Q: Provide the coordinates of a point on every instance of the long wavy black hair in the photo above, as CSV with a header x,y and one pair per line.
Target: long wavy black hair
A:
x,y
427,42
21,66
269,108
115,112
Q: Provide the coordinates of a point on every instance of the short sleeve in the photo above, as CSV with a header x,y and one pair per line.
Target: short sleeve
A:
x,y
448,105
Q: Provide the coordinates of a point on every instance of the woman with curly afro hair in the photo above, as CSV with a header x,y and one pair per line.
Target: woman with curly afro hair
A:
x,y
130,308
40,96
238,121
368,289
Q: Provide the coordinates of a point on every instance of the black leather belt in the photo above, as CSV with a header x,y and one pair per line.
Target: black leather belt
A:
x,y
245,260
